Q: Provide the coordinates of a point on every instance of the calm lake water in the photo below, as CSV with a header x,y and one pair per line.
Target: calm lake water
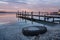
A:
x,y
11,28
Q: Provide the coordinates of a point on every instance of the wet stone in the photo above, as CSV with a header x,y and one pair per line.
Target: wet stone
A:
x,y
34,30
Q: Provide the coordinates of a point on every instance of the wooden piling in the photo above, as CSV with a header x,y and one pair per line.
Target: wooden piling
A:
x,y
44,18
22,13
53,19
39,15
31,15
25,14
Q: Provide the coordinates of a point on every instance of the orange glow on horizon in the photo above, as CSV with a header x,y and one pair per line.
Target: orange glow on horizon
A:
x,y
29,10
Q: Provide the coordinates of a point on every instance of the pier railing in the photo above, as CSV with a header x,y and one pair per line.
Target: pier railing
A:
x,y
31,15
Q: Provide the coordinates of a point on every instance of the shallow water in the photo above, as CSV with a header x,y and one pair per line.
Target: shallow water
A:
x,y
11,28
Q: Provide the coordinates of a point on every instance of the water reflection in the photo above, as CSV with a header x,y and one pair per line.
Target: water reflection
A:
x,y
11,28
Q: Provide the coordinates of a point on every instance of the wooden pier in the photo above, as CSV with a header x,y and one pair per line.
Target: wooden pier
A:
x,y
31,16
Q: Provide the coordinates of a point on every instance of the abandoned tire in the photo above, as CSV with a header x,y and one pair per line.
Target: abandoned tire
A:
x,y
34,30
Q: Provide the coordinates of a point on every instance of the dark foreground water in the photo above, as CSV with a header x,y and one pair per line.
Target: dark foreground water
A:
x,y
11,28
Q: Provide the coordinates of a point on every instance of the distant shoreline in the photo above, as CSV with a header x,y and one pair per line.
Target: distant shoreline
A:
x,y
6,12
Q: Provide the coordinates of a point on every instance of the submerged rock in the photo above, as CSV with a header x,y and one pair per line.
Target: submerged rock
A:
x,y
34,30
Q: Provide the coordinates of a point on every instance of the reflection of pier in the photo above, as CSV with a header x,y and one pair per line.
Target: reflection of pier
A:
x,y
30,16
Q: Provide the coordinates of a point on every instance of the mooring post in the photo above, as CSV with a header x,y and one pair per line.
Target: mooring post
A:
x,y
22,13
53,19
44,18
25,14
39,15
31,15
17,13
47,15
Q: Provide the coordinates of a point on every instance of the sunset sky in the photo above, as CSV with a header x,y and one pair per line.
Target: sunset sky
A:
x,y
29,5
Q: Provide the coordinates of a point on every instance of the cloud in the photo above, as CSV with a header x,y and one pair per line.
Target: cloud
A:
x,y
48,1
34,2
2,2
29,4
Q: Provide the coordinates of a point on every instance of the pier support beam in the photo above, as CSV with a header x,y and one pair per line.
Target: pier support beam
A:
x,y
44,18
25,14
31,15
53,19
39,15
22,13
